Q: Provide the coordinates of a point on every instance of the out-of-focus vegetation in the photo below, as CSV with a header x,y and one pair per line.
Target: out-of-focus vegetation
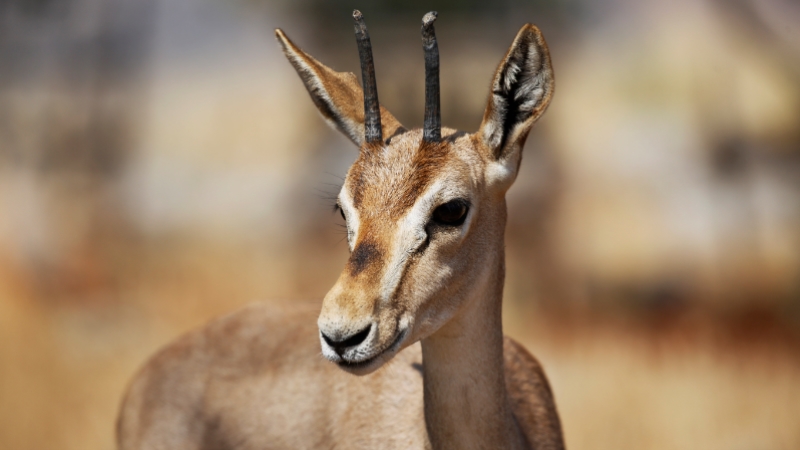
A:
x,y
160,164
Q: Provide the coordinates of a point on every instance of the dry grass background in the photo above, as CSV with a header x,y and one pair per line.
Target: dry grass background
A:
x,y
161,165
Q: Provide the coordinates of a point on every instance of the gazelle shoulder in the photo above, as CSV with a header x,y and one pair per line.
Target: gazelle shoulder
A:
x,y
531,397
256,332
169,392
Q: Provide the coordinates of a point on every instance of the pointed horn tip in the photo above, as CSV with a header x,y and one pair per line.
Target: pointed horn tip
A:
x,y
357,15
429,18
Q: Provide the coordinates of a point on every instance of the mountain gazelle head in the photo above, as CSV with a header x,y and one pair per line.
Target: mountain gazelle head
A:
x,y
425,209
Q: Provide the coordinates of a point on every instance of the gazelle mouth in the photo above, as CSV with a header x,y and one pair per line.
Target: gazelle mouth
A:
x,y
356,365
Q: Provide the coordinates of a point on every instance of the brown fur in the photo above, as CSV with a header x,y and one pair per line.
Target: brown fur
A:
x,y
436,370
419,162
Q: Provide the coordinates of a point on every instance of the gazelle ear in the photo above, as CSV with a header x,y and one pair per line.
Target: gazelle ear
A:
x,y
338,96
521,90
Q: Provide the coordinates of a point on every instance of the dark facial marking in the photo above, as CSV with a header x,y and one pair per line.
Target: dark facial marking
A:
x,y
365,253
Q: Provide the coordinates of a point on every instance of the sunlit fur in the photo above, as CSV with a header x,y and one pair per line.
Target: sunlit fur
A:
x,y
430,295
388,196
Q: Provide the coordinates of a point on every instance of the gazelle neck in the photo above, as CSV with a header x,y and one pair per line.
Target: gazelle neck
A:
x,y
466,403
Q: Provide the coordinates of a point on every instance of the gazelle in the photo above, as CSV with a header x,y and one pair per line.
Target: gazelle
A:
x,y
421,293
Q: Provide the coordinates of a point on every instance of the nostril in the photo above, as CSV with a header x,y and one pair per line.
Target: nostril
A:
x,y
328,340
357,338
351,341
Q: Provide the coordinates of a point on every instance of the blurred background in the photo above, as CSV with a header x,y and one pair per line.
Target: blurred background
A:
x,y
161,164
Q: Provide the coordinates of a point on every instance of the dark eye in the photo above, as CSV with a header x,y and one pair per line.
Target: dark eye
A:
x,y
341,211
452,213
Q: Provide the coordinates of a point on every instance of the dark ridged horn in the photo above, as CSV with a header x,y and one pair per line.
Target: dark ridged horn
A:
x,y
372,110
432,130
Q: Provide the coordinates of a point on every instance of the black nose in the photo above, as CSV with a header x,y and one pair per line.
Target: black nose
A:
x,y
344,344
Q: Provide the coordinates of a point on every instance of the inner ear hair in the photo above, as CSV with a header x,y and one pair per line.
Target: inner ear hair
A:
x,y
521,90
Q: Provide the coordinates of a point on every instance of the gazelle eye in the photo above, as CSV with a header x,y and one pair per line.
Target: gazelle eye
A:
x,y
452,213
341,211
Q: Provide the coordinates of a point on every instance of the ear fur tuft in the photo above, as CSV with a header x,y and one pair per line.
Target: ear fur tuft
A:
x,y
521,90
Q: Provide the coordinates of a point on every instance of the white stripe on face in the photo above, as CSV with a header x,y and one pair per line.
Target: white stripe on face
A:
x,y
411,234
351,213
